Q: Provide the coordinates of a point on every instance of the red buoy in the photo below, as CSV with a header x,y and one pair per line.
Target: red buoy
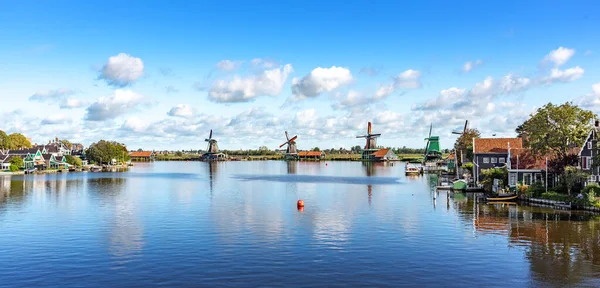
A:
x,y
300,203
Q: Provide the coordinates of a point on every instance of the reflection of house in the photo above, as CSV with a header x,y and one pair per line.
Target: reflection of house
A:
x,y
142,156
311,155
492,152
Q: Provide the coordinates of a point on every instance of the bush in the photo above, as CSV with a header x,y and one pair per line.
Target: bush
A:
x,y
551,195
75,161
535,190
14,168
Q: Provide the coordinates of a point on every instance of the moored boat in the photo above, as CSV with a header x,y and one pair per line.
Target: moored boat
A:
x,y
412,170
503,198
460,185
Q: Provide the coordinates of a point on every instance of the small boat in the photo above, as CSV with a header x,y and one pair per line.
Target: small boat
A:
x,y
503,198
412,170
460,185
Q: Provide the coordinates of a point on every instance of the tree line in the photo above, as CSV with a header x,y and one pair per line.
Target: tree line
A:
x,y
13,141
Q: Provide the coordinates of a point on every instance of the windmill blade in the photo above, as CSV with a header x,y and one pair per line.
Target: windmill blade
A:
x,y
293,139
466,123
283,144
287,136
210,135
374,135
363,136
430,128
369,129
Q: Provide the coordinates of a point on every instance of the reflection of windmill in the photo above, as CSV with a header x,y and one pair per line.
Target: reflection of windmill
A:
x,y
212,174
432,148
370,168
370,193
212,151
371,145
290,152
461,135
291,167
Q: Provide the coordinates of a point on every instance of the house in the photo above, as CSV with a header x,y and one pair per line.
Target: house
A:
x,y
384,154
142,156
311,155
589,151
4,161
492,152
527,168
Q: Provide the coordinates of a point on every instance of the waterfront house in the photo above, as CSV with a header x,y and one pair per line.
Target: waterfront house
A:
x,y
492,152
385,154
142,156
587,153
318,155
4,161
527,168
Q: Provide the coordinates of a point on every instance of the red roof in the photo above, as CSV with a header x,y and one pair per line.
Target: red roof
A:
x,y
310,154
496,145
380,153
528,160
141,154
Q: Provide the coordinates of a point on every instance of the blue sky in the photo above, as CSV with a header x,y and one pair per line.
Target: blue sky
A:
x,y
161,75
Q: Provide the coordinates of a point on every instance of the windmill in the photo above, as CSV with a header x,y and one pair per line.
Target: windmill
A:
x,y
290,151
432,148
371,139
212,145
461,134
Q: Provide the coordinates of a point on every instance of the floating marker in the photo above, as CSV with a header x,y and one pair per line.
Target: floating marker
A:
x,y
300,203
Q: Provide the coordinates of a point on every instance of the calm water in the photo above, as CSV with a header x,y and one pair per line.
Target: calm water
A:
x,y
236,224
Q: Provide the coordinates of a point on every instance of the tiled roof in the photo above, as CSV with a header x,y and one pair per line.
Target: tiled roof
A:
x,y
141,154
380,153
309,154
528,160
451,155
496,145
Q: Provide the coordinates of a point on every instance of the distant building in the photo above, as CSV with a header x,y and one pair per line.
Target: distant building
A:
x,y
385,154
492,152
311,155
142,156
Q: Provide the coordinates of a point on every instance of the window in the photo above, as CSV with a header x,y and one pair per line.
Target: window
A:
x,y
527,179
589,144
494,160
585,162
592,178
538,178
486,160
512,180
501,160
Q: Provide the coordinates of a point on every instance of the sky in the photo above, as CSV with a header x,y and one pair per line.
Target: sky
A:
x,y
160,75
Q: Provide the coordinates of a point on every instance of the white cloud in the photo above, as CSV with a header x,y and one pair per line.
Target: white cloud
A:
x,y
591,101
469,65
71,103
263,63
409,79
568,75
596,89
228,65
56,119
134,124
181,110
50,96
485,88
350,99
320,80
513,84
266,83
447,97
120,103
122,70
384,91
559,56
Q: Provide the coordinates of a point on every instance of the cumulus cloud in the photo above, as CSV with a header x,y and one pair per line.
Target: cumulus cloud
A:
x,y
263,63
134,124
384,91
49,96
484,88
350,99
110,107
250,116
265,83
446,98
122,70
71,103
409,79
512,84
320,80
559,56
181,110
55,120
568,75
371,71
591,101
469,65
228,65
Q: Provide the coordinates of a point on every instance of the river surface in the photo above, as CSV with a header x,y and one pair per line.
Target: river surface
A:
x,y
236,224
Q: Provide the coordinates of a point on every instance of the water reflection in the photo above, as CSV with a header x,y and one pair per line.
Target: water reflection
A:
x,y
292,167
562,247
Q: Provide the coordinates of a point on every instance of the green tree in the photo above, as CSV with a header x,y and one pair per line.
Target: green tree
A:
x,y
18,162
464,143
104,151
571,177
494,173
555,128
18,141
316,149
179,153
4,144
75,161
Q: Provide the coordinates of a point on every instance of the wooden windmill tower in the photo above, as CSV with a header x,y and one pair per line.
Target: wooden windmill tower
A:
x,y
371,145
212,151
290,152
